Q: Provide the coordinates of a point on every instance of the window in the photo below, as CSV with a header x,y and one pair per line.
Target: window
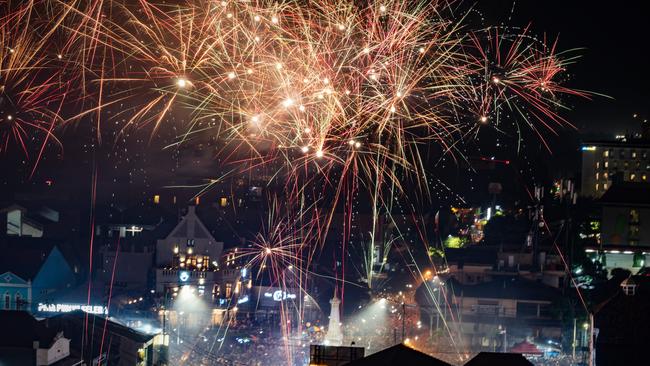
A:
x,y
223,201
597,187
18,301
633,154
606,164
228,289
7,301
190,243
634,216
632,176
597,176
156,199
606,153
605,186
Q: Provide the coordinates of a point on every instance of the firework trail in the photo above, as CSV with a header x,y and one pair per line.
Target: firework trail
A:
x,y
339,101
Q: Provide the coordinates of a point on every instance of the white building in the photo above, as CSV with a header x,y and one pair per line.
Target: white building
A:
x,y
189,255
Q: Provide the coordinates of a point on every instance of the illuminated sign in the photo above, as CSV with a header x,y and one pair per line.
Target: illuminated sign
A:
x,y
66,308
243,300
279,295
184,276
589,148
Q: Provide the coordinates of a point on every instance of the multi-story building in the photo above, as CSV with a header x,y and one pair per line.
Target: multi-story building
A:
x,y
624,233
602,161
188,256
508,309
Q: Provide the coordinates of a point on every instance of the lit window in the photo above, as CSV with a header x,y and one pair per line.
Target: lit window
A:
x,y
156,199
644,177
598,165
223,201
197,200
606,153
607,164
605,186
632,176
633,154
597,186
597,176
228,289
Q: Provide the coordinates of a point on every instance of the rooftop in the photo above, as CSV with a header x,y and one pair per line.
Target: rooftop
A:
x,y
506,288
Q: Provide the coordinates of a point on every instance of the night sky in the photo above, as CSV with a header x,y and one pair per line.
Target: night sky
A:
x,y
611,39
614,39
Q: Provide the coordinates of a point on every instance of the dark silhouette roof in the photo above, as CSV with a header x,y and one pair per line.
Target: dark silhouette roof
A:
x,y
627,193
506,288
498,359
398,355
72,324
21,330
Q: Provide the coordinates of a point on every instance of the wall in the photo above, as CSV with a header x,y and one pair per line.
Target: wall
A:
x,y
132,268
59,350
11,285
615,226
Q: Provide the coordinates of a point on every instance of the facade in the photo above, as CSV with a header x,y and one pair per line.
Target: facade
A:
x,y
603,160
31,276
496,314
475,265
624,230
188,256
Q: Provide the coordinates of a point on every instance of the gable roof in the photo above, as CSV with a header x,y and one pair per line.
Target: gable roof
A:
x,y
498,359
9,277
398,354
191,226
24,256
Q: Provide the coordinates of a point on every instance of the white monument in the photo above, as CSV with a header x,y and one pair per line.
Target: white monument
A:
x,y
334,335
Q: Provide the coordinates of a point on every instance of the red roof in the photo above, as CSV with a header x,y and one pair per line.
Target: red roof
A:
x,y
526,348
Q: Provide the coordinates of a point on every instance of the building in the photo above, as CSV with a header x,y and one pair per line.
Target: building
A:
x,y
479,264
188,256
624,229
396,355
33,272
334,356
106,341
603,160
622,324
496,314
26,341
501,359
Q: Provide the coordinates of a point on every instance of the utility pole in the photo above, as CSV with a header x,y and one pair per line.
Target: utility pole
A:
x,y
403,322
575,333
591,339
